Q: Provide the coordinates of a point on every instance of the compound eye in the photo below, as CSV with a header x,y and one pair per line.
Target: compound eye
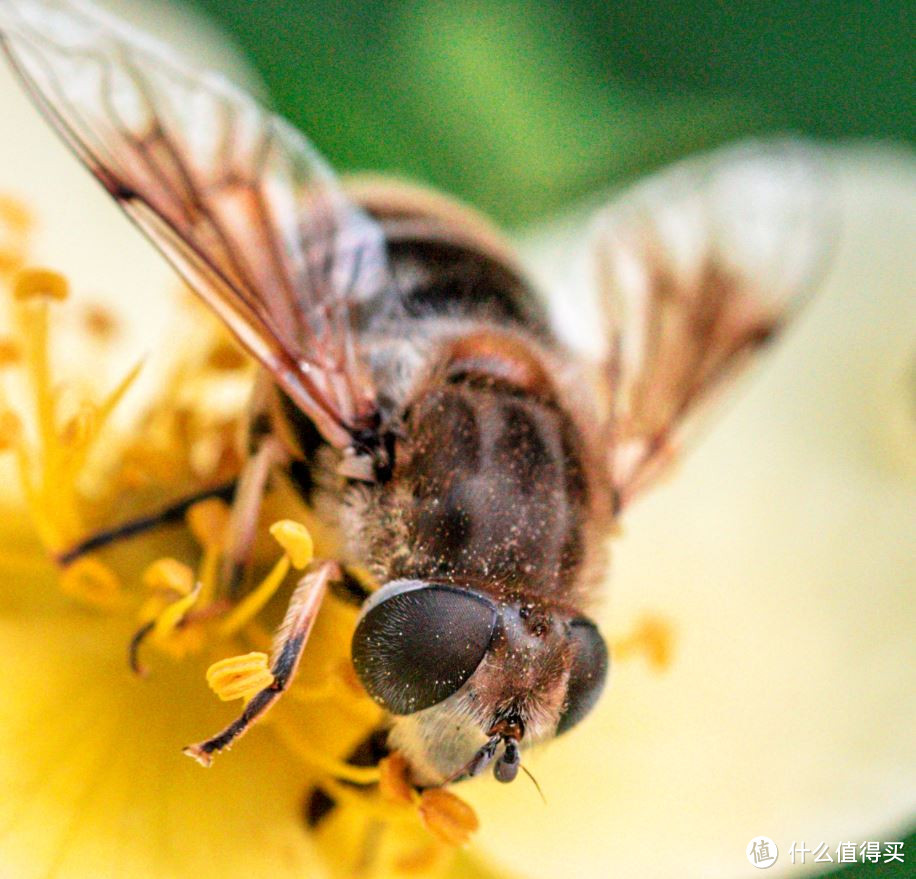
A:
x,y
416,643
588,673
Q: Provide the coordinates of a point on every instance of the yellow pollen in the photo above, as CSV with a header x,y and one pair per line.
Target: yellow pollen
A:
x,y
169,574
295,540
652,637
79,429
40,284
209,522
100,322
15,225
420,861
10,430
447,817
10,353
91,581
15,215
239,677
393,784
225,357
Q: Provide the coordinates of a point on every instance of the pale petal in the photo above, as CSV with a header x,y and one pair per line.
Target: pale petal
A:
x,y
783,555
81,232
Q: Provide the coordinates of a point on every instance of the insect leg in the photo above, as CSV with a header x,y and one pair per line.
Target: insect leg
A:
x,y
290,641
173,513
246,507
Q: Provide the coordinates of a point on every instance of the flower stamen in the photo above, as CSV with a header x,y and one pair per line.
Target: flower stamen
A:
x,y
209,521
169,575
295,540
16,221
166,622
10,353
297,544
93,582
320,760
447,817
40,284
394,785
239,677
652,637
10,430
255,600
181,604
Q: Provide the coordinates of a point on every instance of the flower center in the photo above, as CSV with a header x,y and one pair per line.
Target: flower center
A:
x,y
81,474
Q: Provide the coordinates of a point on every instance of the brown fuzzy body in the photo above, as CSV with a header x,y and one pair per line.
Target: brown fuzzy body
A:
x,y
496,480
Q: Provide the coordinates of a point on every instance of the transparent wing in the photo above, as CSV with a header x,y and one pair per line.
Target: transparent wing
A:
x,y
699,268
237,199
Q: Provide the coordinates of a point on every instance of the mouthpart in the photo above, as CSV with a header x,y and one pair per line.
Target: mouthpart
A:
x,y
506,767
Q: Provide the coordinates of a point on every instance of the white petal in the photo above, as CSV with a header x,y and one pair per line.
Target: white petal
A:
x,y
783,554
80,231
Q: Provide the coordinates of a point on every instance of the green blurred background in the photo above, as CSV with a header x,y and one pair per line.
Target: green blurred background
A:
x,y
522,107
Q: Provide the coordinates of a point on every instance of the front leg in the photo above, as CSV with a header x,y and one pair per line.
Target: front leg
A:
x,y
289,643
269,452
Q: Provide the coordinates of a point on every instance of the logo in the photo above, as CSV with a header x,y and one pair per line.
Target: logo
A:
x,y
762,852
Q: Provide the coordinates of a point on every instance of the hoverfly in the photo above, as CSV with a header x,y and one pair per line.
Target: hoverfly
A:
x,y
413,384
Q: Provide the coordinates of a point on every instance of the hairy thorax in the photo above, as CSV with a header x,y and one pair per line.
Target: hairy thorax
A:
x,y
490,484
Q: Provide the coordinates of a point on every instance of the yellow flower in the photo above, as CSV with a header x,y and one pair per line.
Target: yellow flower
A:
x,y
91,718
92,706
100,423
767,589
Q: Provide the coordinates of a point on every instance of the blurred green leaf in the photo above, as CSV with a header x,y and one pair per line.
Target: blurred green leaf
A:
x,y
521,123
493,102
521,106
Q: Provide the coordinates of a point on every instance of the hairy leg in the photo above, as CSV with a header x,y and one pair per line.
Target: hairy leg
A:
x,y
243,524
290,641
173,513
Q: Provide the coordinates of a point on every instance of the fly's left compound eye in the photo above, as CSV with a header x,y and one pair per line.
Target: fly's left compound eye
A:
x,y
417,643
588,673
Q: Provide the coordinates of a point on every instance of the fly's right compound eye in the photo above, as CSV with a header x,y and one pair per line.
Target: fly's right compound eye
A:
x,y
587,675
416,643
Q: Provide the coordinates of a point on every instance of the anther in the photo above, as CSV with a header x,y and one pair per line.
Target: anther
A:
x,y
239,677
40,284
295,540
